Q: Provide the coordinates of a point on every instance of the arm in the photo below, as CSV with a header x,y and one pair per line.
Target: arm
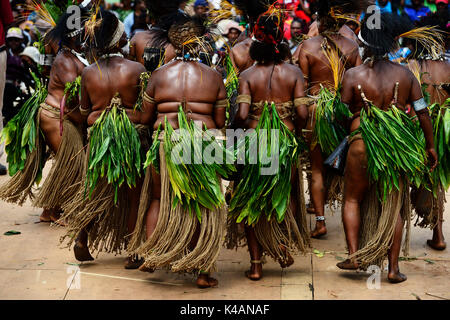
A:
x,y
347,97
244,108
132,53
304,66
301,111
416,98
149,106
85,104
6,16
219,112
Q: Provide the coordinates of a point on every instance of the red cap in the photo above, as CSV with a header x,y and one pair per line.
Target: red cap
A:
x,y
441,1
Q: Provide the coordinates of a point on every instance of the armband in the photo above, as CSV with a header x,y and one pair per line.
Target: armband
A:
x,y
419,105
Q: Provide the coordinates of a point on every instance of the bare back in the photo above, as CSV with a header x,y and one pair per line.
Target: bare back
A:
x,y
286,84
315,66
436,74
378,84
140,41
240,55
65,68
112,75
194,86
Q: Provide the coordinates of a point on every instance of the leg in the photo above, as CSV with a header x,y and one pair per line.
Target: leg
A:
x,y
394,275
255,272
151,218
134,195
318,192
438,240
81,249
356,186
50,127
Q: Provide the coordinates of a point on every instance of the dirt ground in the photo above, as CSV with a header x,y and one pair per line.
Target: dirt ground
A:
x,y
33,265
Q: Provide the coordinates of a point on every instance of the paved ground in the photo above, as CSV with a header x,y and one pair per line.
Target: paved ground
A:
x,y
33,266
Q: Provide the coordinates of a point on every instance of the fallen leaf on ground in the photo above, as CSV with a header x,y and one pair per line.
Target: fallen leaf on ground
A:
x,y
40,263
11,233
73,264
339,258
318,253
429,261
415,295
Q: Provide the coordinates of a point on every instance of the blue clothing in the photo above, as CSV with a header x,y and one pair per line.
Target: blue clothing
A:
x,y
385,9
128,24
416,15
402,53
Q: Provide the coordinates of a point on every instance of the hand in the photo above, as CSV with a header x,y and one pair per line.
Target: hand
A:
x,y
432,158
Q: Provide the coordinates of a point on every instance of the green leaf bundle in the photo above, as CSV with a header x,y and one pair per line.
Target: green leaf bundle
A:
x,y
232,81
393,148
440,118
330,114
72,89
19,135
193,184
114,152
259,195
144,79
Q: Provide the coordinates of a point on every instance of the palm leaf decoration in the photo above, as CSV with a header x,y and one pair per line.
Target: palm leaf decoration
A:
x,y
19,135
72,90
194,183
114,150
144,79
394,148
330,116
232,81
440,117
331,113
266,196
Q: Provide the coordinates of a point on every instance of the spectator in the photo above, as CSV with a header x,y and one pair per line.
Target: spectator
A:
x,y
416,11
136,20
298,29
232,31
201,8
384,5
6,18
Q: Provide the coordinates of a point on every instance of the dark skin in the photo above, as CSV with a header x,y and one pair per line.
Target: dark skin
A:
x,y
378,85
199,87
287,84
118,75
240,56
435,73
65,68
143,39
317,71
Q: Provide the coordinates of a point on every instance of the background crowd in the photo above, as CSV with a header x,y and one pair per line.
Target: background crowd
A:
x,y
20,28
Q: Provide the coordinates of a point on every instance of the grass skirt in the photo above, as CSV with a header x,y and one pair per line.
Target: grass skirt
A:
x,y
66,174
169,245
19,188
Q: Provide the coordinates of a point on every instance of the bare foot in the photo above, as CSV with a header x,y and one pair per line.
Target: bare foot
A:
x,y
143,268
348,265
319,231
45,216
133,263
287,260
396,277
205,281
82,252
255,272
437,244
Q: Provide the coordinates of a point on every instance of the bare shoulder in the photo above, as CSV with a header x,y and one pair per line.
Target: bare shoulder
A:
x,y
141,36
348,46
133,66
64,62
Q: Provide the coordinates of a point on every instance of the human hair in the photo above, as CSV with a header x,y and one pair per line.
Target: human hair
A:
x,y
266,53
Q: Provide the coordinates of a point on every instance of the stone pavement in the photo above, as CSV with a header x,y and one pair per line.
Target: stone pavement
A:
x,y
34,266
